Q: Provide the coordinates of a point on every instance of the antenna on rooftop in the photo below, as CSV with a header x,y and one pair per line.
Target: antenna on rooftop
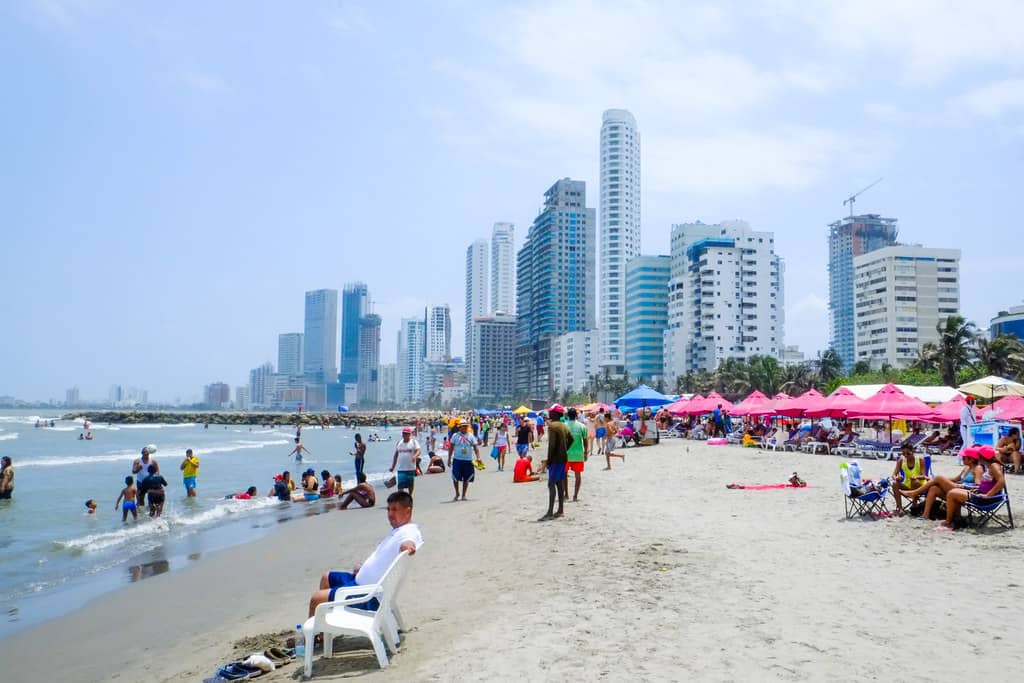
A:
x,y
853,197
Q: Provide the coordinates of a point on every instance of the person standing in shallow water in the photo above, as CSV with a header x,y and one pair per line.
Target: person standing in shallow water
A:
x,y
359,453
6,478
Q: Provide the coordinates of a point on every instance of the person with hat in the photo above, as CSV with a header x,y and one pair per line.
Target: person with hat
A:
x,y
559,440
281,490
462,452
967,420
407,454
990,486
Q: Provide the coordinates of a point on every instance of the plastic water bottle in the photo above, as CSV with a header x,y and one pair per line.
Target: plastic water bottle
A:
x,y
855,474
300,641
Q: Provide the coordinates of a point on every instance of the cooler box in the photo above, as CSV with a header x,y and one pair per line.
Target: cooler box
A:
x,y
988,433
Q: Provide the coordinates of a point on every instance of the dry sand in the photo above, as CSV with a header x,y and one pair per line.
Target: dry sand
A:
x,y
659,573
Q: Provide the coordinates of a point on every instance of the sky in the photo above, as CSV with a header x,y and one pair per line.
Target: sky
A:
x,y
174,176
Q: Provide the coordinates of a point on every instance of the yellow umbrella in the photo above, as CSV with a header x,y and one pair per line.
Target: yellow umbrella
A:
x,y
521,410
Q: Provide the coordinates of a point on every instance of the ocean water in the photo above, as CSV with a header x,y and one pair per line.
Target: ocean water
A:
x,y
55,557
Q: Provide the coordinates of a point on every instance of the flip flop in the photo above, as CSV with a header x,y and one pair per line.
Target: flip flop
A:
x,y
235,672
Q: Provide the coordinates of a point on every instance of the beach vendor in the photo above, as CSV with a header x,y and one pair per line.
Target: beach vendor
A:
x,y
407,452
404,536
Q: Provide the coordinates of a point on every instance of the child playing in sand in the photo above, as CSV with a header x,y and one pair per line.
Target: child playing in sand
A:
x,y
128,498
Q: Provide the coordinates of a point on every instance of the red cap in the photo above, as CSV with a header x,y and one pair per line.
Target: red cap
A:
x,y
970,452
407,430
278,477
556,408
987,453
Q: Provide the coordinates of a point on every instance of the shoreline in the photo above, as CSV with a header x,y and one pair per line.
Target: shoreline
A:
x,y
658,573
374,418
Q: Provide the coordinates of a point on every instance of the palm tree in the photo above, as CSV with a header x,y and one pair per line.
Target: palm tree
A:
x,y
796,379
927,358
861,367
997,355
765,374
830,365
955,346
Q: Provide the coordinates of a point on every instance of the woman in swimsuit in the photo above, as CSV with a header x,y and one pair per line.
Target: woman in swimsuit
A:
x,y
990,485
1009,450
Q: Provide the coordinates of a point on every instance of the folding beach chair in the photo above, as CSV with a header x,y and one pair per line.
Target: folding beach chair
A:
x,y
869,504
980,512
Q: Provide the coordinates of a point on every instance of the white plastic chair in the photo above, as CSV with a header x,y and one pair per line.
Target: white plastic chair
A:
x,y
340,618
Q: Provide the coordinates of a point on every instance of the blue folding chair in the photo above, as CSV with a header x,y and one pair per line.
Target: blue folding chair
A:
x,y
981,511
869,504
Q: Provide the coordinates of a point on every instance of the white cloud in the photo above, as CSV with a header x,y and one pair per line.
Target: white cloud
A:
x,y
204,83
994,100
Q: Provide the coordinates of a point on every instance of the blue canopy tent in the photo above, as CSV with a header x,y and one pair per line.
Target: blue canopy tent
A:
x,y
642,397
342,409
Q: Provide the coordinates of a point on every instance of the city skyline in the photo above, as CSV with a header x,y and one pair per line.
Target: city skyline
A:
x,y
134,200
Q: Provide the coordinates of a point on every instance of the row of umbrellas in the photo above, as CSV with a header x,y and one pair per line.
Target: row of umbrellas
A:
x,y
889,403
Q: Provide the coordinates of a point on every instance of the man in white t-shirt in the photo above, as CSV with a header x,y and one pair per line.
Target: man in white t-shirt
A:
x,y
407,454
404,535
966,421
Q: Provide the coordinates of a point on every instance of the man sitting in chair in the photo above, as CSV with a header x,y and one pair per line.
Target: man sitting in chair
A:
x,y
404,535
908,475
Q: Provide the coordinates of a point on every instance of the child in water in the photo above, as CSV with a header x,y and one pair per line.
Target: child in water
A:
x,y
90,506
128,498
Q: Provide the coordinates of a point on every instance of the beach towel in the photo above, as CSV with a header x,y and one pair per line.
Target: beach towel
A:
x,y
763,487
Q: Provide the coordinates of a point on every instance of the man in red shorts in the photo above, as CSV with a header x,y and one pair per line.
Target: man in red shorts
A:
x,y
578,452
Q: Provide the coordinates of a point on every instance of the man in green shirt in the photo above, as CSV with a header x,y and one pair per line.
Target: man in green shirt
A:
x,y
578,452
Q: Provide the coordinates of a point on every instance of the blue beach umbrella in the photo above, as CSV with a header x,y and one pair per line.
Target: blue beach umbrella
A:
x,y
342,409
642,397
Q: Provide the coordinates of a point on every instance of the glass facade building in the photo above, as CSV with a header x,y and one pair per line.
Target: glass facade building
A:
x,y
646,316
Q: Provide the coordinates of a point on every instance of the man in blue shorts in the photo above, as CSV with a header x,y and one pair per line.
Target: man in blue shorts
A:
x,y
559,440
404,535
461,454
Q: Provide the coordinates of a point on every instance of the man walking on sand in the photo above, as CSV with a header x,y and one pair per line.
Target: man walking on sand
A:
x,y
559,440
463,449
578,452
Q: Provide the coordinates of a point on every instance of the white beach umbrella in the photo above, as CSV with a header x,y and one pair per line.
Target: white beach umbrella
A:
x,y
992,387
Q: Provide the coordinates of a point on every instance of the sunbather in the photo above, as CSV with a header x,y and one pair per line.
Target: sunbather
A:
x,y
932,439
990,486
939,487
1008,450
908,475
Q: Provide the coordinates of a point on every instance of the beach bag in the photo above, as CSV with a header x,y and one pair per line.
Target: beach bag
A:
x,y
391,481
494,452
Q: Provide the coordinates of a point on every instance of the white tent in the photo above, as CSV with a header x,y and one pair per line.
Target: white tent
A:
x,y
932,395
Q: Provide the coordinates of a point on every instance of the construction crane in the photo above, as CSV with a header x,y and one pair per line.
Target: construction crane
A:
x,y
853,197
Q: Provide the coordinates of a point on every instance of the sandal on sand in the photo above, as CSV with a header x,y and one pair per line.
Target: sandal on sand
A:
x,y
237,672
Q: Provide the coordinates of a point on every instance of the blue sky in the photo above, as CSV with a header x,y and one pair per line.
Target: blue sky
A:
x,y
175,175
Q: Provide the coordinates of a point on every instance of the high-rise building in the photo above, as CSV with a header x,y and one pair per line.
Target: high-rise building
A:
x,y
493,350
575,358
261,386
725,297
439,333
620,228
242,397
320,343
354,305
412,350
848,238
646,316
554,283
900,295
72,397
389,383
217,395
503,268
368,382
289,354
477,277
1008,322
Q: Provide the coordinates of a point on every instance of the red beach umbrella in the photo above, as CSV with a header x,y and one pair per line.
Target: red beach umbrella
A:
x,y
949,411
679,407
1009,408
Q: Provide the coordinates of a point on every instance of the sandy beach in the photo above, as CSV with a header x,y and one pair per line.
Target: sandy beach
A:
x,y
658,573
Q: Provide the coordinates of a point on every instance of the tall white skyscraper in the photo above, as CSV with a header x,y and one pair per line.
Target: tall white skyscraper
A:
x,y
619,228
289,354
477,277
320,340
411,352
503,268
439,333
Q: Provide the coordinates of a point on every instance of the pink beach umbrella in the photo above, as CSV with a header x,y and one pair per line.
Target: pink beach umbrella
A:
x,y
755,398
891,403
835,404
949,411
769,406
708,404
795,407
679,407
1009,408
